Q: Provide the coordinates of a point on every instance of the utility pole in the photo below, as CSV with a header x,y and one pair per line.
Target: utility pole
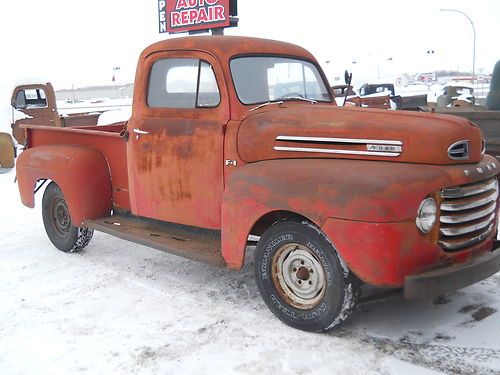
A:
x,y
474,43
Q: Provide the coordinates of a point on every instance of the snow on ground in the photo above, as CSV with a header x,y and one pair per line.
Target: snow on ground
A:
x,y
120,308
102,104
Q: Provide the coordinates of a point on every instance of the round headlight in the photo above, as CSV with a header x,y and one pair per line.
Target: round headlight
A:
x,y
426,216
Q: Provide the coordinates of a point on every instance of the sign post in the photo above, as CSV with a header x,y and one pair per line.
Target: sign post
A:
x,y
195,16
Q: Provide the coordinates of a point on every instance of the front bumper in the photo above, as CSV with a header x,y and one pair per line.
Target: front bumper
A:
x,y
443,280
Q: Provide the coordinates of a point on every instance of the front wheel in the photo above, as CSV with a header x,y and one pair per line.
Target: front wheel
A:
x,y
301,278
57,222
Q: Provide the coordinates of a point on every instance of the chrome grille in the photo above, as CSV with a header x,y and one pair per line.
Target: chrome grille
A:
x,y
468,214
459,150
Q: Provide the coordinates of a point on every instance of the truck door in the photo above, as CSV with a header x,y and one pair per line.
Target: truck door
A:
x,y
175,149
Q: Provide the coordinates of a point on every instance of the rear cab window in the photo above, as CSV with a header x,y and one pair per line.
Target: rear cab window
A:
x,y
31,99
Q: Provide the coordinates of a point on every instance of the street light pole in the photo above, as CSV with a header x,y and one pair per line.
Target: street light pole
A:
x,y
474,45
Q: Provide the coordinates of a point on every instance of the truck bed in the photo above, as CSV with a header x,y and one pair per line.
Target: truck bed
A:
x,y
109,140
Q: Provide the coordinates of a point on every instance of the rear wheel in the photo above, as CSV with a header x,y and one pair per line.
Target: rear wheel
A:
x,y
61,232
301,278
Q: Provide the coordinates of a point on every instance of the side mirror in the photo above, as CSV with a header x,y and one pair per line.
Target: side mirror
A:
x,y
347,77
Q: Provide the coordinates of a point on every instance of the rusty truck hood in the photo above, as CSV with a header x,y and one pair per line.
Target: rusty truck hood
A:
x,y
293,130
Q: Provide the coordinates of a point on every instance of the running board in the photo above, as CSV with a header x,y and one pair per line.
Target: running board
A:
x,y
198,244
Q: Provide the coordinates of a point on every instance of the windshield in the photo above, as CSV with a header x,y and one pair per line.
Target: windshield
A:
x,y
265,78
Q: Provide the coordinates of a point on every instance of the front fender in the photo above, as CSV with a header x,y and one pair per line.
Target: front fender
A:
x,y
81,173
365,191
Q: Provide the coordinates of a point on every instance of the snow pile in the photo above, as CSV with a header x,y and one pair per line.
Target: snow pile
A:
x,y
110,117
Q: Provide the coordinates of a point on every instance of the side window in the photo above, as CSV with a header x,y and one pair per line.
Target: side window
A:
x,y
182,83
312,87
208,92
382,89
20,100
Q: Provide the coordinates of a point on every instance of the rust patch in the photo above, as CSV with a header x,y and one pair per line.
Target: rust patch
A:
x,y
185,149
158,159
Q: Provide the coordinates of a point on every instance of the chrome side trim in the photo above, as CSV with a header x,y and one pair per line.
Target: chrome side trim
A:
x,y
337,140
468,242
458,219
466,191
331,151
468,229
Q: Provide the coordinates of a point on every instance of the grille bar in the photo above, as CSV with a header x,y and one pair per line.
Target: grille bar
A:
x,y
454,244
468,190
474,202
458,231
456,219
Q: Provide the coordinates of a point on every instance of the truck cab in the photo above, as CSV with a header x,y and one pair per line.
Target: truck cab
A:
x,y
204,96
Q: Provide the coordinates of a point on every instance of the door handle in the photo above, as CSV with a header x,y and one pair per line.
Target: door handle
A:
x,y
138,133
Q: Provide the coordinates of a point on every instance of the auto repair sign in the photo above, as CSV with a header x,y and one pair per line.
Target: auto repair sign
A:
x,y
185,15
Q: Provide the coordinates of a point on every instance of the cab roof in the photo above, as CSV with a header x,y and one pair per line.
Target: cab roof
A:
x,y
225,47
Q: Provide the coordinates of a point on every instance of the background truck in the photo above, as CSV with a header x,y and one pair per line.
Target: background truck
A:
x,y
231,137
458,100
38,103
487,120
380,95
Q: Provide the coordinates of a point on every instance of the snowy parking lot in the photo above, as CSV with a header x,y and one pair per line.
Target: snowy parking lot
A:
x,y
121,308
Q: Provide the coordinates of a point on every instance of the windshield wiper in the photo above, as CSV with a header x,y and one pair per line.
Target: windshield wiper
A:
x,y
312,101
266,104
281,100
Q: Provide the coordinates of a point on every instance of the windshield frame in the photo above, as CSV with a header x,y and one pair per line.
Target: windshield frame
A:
x,y
282,56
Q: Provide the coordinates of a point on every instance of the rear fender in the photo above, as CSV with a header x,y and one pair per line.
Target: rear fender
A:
x,y
81,173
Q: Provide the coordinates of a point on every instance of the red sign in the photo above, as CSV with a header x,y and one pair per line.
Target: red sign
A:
x,y
187,15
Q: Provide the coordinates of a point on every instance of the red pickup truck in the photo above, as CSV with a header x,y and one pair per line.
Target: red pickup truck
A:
x,y
231,137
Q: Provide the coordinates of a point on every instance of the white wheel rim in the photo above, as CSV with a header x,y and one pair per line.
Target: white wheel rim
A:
x,y
299,275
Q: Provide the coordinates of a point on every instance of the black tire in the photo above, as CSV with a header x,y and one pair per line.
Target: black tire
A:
x,y
301,278
57,222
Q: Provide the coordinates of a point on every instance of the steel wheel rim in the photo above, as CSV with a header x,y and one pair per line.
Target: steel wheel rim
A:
x,y
299,276
59,213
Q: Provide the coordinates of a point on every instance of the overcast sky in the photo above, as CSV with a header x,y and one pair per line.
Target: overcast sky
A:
x,y
78,42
